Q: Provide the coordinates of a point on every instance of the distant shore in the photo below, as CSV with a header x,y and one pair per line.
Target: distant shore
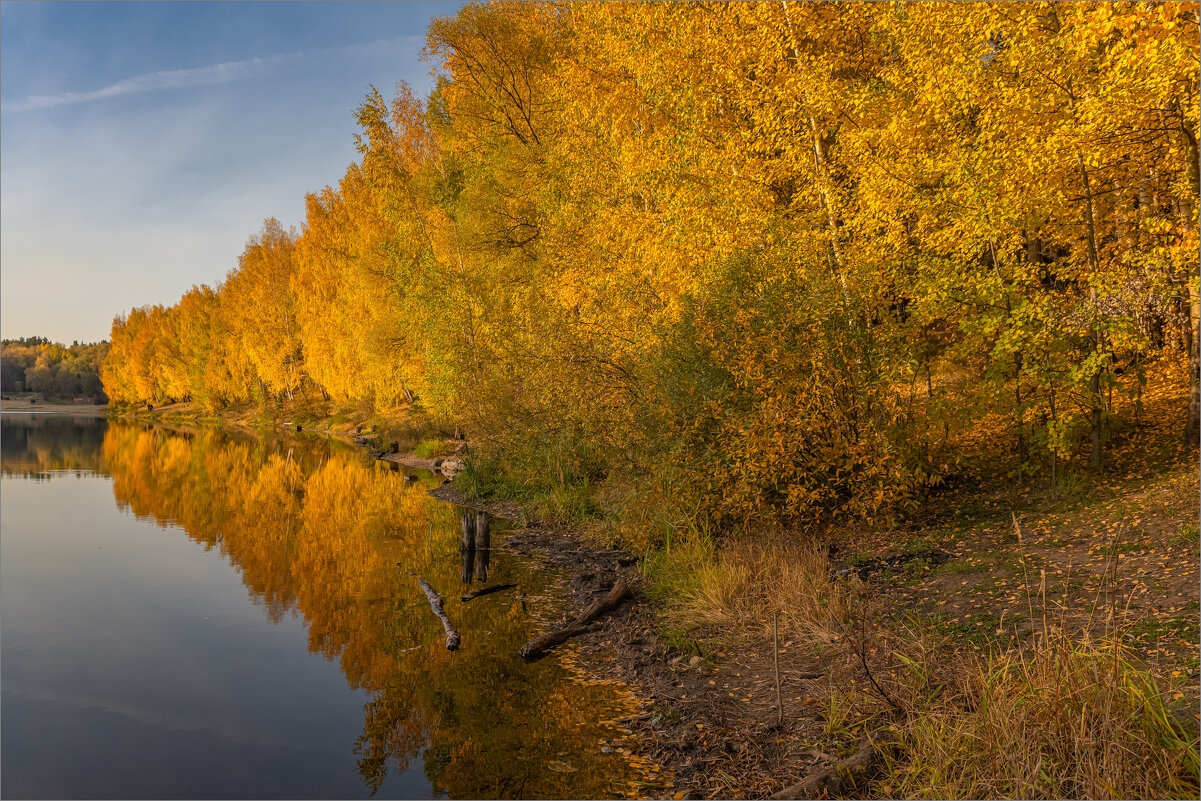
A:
x,y
21,405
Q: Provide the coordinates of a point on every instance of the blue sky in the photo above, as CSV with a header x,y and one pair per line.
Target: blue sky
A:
x,y
141,144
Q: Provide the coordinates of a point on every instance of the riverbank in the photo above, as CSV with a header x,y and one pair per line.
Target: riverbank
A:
x,y
20,404
762,664
771,656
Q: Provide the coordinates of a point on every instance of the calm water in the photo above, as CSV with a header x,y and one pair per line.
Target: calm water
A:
x,y
209,614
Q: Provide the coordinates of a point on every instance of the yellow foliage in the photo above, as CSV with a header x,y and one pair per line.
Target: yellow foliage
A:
x,y
772,257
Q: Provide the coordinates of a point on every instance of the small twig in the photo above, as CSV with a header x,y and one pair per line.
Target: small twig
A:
x,y
775,642
860,649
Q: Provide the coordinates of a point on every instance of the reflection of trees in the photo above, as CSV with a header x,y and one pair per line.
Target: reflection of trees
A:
x,y
33,443
394,730
316,531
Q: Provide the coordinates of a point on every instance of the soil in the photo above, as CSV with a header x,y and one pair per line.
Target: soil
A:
x,y
710,720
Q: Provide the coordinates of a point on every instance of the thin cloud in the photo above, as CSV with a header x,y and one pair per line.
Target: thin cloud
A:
x,y
225,72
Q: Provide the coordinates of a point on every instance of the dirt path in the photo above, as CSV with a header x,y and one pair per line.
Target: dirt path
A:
x,y
1122,559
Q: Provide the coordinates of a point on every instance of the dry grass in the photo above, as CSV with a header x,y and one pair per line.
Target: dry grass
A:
x,y
1065,718
1020,701
740,585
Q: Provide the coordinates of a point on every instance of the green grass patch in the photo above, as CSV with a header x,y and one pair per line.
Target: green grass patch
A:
x,y
916,569
917,545
1134,546
574,501
1152,629
978,563
977,628
433,448
681,640
1065,586
673,570
1189,535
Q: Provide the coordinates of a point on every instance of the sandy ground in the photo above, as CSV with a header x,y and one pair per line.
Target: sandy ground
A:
x,y
21,405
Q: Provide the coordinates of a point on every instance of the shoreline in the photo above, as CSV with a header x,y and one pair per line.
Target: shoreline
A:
x,y
60,409
681,726
724,719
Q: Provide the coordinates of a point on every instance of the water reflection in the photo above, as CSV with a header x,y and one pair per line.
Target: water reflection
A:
x,y
475,545
31,445
316,531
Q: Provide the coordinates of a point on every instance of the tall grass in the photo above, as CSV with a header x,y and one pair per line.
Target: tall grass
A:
x,y
1067,717
1064,716
739,585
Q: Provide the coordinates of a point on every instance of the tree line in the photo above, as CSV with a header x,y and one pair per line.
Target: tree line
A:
x,y
770,257
35,364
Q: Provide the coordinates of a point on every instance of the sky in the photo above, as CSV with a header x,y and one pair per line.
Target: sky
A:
x,y
142,144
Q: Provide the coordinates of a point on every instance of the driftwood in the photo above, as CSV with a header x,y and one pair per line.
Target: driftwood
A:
x,y
486,591
844,775
539,645
452,636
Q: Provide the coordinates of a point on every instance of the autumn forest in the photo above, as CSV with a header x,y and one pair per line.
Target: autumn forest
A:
x,y
852,347
771,256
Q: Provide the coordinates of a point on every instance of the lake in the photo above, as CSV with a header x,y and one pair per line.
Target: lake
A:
x,y
208,613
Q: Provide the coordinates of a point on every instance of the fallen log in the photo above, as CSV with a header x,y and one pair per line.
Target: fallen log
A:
x,y
843,776
539,645
486,591
452,636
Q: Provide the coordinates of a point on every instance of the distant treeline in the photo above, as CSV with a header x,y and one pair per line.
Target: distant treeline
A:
x,y
35,364
774,258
